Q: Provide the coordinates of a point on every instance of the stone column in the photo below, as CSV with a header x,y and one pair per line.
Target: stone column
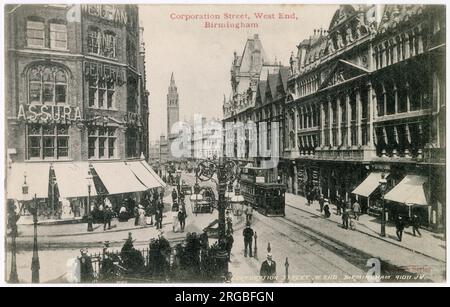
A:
x,y
349,119
395,97
358,117
339,121
295,127
295,183
322,124
330,121
406,42
372,101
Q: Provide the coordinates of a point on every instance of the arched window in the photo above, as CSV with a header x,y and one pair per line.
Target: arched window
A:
x,y
93,40
58,34
35,32
47,85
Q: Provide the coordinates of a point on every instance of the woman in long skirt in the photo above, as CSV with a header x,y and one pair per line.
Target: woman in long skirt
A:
x,y
142,219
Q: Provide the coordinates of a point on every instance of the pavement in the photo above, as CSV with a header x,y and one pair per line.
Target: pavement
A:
x,y
430,244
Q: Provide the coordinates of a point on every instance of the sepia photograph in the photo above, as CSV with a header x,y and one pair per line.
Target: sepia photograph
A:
x,y
268,144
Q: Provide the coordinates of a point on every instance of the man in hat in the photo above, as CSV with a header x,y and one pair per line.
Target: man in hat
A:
x,y
399,225
326,208
268,270
86,269
321,202
248,239
415,224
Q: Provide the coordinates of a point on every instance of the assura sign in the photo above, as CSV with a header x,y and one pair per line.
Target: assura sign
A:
x,y
33,112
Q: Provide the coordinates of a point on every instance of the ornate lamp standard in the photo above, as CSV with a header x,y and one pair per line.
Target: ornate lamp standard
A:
x,y
35,266
89,213
226,171
383,185
13,217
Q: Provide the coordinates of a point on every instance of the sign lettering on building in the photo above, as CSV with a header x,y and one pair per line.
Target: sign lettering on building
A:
x,y
48,113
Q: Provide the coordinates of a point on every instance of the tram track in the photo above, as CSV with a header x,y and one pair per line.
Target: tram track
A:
x,y
305,247
353,255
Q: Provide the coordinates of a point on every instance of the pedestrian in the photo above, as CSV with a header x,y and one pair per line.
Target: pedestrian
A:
x,y
248,239
229,240
326,208
136,216
229,220
321,202
345,216
159,217
268,271
248,212
107,216
86,268
182,218
356,210
399,225
141,220
175,209
415,224
174,195
338,206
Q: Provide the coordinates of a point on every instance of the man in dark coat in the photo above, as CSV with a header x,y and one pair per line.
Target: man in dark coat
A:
x,y
86,269
338,206
107,218
399,225
182,218
345,217
268,270
248,239
415,224
229,240
321,202
174,195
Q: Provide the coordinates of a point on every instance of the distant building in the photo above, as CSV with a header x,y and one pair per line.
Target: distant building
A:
x,y
173,110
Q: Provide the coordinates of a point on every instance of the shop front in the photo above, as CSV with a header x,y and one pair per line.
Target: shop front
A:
x,y
62,190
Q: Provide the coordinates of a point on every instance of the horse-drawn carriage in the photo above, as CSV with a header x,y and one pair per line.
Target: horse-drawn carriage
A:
x,y
204,201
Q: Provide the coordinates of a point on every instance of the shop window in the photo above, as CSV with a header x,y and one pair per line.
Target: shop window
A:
x,y
35,32
131,143
101,93
47,141
58,35
101,142
93,40
47,85
109,44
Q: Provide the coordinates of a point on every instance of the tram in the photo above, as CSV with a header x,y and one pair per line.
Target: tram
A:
x,y
262,192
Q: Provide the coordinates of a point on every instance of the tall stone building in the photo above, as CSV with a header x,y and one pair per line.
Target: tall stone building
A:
x,y
246,72
364,98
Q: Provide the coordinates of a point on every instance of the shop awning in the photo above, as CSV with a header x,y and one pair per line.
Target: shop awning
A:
x,y
409,191
37,178
72,179
369,185
143,174
118,177
154,174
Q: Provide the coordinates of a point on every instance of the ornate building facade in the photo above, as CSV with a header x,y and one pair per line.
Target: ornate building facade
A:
x,y
75,92
366,97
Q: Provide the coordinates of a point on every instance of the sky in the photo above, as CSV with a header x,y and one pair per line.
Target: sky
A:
x,y
200,57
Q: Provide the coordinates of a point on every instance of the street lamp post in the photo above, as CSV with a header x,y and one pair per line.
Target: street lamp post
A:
x,y
89,213
383,184
35,265
13,277
226,171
